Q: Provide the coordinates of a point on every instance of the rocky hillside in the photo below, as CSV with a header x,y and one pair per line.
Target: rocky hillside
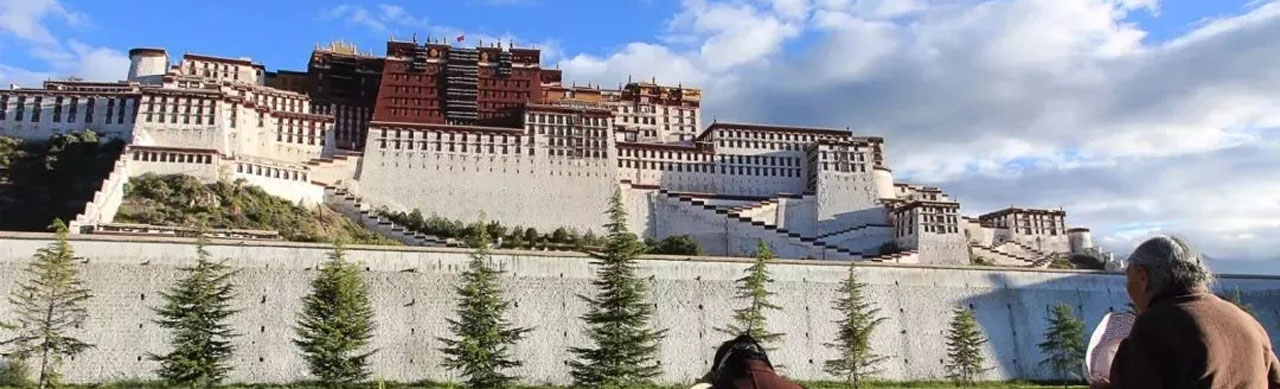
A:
x,y
179,200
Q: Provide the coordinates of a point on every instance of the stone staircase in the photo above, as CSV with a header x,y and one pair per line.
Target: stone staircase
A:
x,y
765,211
1010,253
106,200
999,258
1024,248
350,206
815,246
335,169
898,257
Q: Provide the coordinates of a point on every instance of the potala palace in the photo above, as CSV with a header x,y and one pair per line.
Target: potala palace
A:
x,y
457,131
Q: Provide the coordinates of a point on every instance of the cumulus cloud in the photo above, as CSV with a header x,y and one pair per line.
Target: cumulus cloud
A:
x,y
1027,102
392,19
26,22
24,19
734,34
10,75
383,18
639,61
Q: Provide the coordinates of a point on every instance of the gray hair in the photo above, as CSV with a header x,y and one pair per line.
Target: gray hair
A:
x,y
1172,264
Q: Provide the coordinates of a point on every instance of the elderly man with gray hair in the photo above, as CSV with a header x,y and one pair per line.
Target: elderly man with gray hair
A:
x,y
1184,336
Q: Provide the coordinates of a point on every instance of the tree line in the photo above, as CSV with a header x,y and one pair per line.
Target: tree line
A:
x,y
336,322
41,181
520,237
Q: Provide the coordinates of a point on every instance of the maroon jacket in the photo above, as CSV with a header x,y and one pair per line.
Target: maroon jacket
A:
x,y
754,375
1195,340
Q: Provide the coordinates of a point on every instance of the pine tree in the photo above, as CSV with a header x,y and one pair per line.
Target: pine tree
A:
x,y
195,311
964,347
49,305
1064,344
618,321
336,323
481,347
858,320
754,288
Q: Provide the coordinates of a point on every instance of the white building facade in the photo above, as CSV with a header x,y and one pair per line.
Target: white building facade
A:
x,y
817,193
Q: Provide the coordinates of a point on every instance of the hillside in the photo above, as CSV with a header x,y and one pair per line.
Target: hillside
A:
x,y
180,200
40,181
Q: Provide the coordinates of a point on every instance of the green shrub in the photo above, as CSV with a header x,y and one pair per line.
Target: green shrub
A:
x,y
674,245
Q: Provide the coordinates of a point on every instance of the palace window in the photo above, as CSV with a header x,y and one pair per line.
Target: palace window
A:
x,y
110,109
120,114
4,106
71,113
88,110
57,109
35,109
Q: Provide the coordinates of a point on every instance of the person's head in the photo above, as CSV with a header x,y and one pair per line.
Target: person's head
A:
x,y
733,354
1164,264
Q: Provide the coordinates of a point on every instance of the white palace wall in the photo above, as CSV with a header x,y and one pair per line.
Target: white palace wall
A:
x,y
411,290
846,200
72,114
538,191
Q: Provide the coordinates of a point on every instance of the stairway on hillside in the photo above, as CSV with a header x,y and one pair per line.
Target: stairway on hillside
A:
x,y
765,211
350,206
829,251
910,256
1011,253
334,169
106,201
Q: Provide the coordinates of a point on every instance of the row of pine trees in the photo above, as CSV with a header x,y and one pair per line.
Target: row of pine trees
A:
x,y
336,323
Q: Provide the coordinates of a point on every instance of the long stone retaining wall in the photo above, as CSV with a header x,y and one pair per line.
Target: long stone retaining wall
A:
x,y
412,290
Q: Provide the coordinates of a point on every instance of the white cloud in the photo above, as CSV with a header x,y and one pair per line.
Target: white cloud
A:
x,y
733,34
1030,102
791,9
26,21
639,61
392,19
98,63
24,18
18,76
383,18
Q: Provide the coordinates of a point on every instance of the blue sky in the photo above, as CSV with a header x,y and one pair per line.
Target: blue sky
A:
x,y
1138,117
280,34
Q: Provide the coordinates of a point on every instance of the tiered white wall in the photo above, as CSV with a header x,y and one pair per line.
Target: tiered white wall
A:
x,y
726,184
191,136
943,249
412,292
297,192
28,130
205,172
846,200
1044,242
867,239
720,234
107,199
799,215
977,233
540,192
1001,258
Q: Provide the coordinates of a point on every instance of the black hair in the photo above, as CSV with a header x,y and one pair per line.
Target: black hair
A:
x,y
734,352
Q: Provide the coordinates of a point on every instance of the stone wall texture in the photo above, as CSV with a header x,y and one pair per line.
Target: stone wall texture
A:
x,y
411,288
